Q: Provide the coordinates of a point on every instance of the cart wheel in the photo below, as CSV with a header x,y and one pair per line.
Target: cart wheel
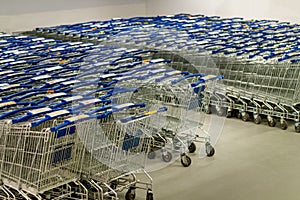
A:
x,y
208,110
284,125
297,129
239,115
221,112
130,194
185,160
210,150
149,195
245,117
272,123
167,156
229,114
257,120
192,147
151,154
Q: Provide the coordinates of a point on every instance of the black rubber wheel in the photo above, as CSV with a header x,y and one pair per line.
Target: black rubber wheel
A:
x,y
239,115
272,123
257,120
221,112
167,156
245,117
192,147
130,194
151,154
186,161
297,129
149,195
283,125
208,110
229,114
210,150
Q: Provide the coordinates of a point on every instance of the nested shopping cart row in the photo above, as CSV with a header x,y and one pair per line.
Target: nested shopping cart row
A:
x,y
265,39
247,106
77,121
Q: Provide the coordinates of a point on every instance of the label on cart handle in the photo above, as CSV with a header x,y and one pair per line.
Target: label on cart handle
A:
x,y
38,111
90,101
73,98
53,68
70,82
51,96
15,74
6,72
123,105
205,78
37,78
5,104
56,81
6,61
57,113
106,76
9,86
76,118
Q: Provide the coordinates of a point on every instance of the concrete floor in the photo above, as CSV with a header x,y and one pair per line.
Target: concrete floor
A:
x,y
252,162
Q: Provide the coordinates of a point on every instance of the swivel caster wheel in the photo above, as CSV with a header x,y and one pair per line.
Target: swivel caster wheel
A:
x,y
297,128
130,194
272,123
283,125
245,117
192,147
210,150
229,114
151,154
257,120
185,160
149,195
167,156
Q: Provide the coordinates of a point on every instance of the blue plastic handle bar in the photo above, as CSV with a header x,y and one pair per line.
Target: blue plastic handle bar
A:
x,y
186,77
100,109
116,61
7,114
46,99
47,118
64,102
117,91
168,76
203,80
67,123
98,90
133,118
29,115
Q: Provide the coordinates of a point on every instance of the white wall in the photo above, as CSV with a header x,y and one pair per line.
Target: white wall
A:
x,y
284,10
21,15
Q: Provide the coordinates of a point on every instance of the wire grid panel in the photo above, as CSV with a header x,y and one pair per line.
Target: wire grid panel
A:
x,y
277,80
36,159
114,147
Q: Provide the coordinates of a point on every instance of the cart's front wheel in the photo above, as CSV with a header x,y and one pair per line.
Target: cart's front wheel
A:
x,y
245,117
185,160
151,154
210,150
257,120
272,122
283,125
167,156
297,128
130,194
208,110
149,195
229,114
192,147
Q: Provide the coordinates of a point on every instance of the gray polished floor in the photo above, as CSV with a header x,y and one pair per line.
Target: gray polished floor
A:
x,y
252,162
